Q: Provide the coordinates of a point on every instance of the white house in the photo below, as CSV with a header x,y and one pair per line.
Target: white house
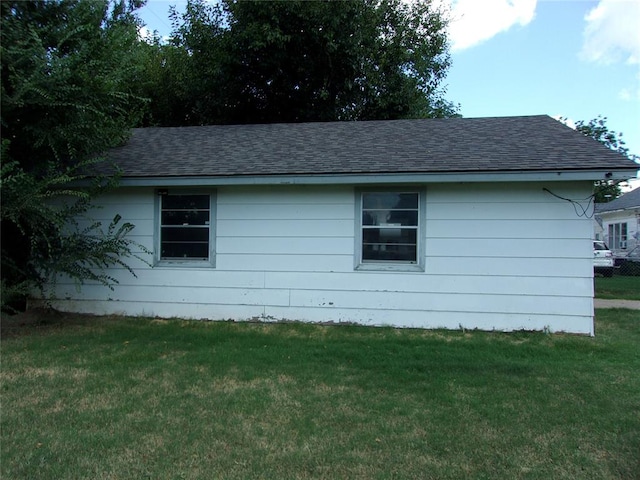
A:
x,y
620,222
474,223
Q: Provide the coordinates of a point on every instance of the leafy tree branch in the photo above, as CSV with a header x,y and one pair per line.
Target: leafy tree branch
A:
x,y
68,94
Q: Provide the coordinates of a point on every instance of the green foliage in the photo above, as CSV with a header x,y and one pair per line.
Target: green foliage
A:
x,y
605,190
293,61
68,69
67,72
598,130
44,238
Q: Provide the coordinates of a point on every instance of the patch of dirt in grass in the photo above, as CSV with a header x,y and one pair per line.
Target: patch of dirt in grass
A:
x,y
28,372
37,319
229,384
159,321
323,388
291,329
20,322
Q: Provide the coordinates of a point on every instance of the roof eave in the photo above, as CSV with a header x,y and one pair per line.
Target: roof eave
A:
x,y
617,210
380,178
621,209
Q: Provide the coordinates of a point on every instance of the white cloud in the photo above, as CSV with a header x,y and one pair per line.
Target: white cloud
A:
x,y
569,122
144,33
629,94
474,21
148,36
612,32
624,94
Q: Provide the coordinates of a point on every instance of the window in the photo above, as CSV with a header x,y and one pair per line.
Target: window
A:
x,y
390,230
185,227
618,236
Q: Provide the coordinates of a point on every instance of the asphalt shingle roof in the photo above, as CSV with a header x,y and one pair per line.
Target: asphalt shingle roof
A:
x,y
465,145
628,200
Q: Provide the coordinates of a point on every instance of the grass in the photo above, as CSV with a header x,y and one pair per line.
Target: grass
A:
x,y
618,287
108,398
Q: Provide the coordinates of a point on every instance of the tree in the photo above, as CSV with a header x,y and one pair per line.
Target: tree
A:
x,y
605,190
294,61
181,82
67,71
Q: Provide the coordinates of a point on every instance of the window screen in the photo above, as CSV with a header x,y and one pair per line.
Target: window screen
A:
x,y
184,227
390,227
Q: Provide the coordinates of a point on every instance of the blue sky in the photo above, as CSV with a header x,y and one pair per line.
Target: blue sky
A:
x,y
572,58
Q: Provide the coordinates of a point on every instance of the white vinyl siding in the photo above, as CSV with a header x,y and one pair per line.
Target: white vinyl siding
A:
x,y
504,256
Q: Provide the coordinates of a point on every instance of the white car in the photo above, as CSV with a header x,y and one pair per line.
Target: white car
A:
x,y
603,260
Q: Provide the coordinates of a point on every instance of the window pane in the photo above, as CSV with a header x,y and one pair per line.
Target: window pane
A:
x,y
185,202
185,217
177,234
396,217
389,200
390,235
184,231
386,252
185,250
390,226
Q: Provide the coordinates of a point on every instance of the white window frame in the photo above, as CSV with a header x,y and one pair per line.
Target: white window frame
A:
x,y
618,233
204,263
390,265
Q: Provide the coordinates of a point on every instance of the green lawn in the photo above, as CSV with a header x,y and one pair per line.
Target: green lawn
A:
x,y
109,398
618,287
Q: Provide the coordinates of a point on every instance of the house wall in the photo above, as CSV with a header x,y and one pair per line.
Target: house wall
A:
x,y
632,218
498,256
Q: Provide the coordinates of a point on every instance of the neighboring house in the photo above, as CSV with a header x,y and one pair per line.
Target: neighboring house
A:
x,y
620,222
454,223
